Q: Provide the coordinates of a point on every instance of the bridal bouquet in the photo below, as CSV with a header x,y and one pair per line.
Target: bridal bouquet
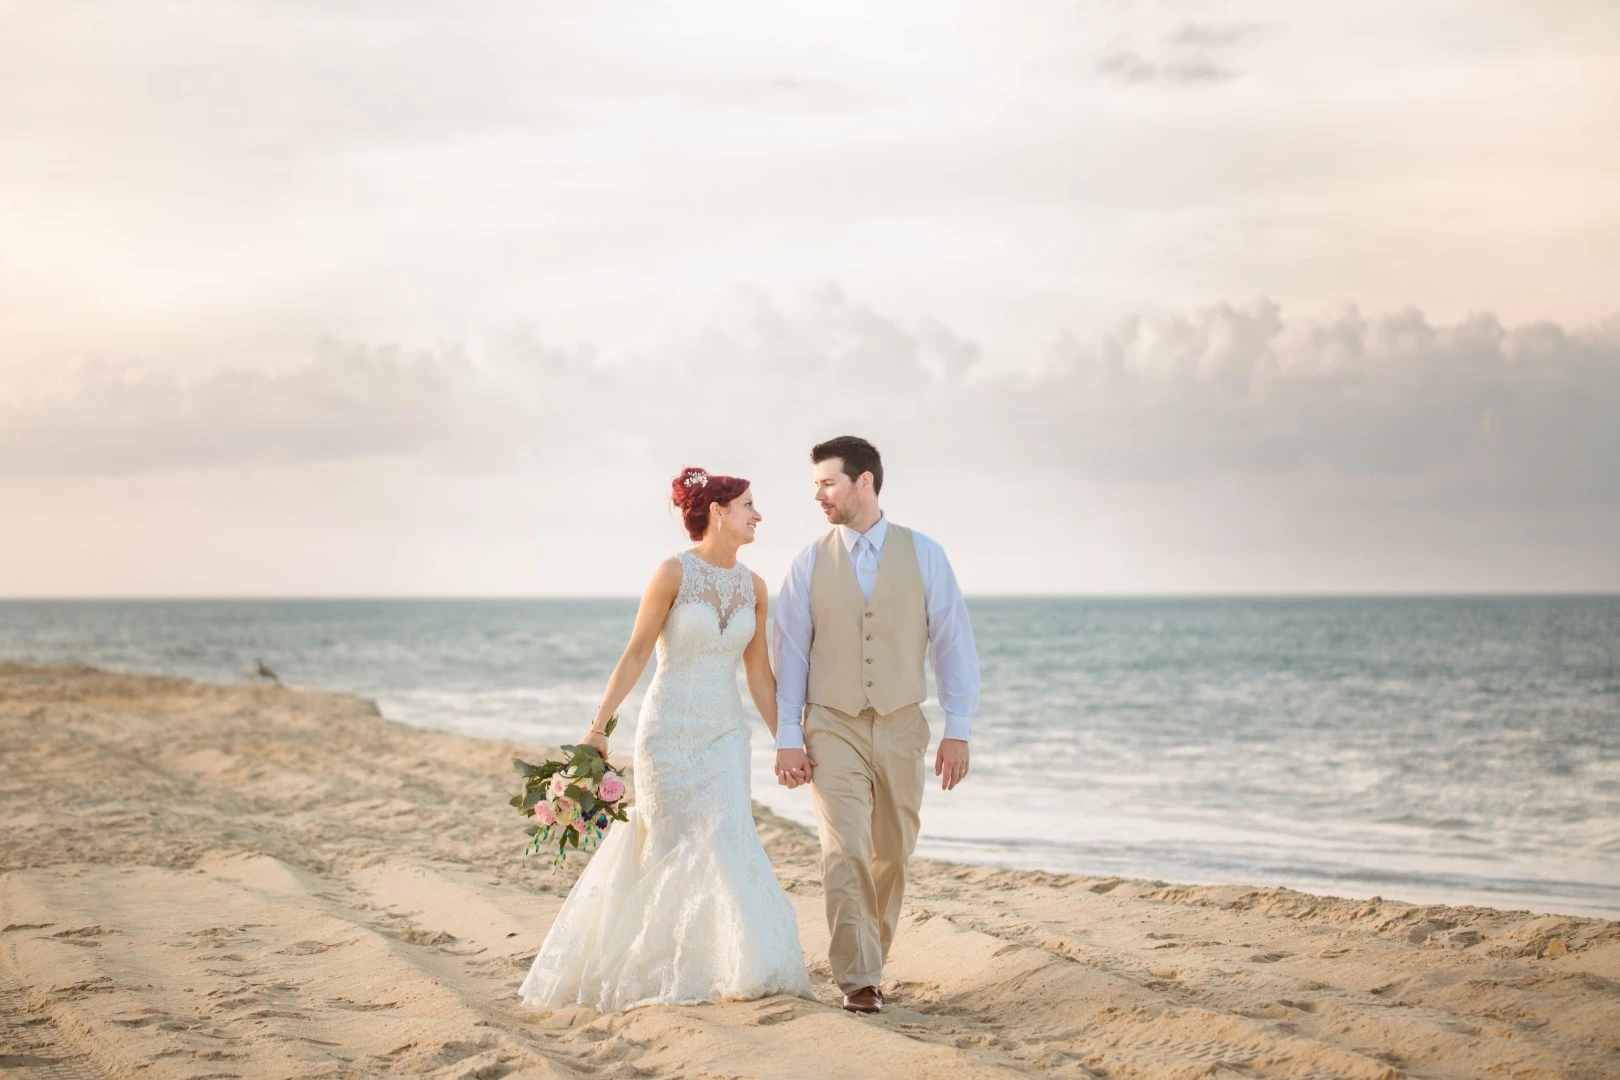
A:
x,y
572,800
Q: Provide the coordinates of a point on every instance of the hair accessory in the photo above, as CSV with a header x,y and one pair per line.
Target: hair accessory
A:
x,y
697,479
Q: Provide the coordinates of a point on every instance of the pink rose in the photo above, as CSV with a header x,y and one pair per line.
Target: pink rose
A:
x,y
611,789
567,811
542,813
559,784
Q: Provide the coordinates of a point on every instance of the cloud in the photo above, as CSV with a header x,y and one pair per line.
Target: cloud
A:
x,y
1131,67
346,401
1213,35
1390,407
1192,54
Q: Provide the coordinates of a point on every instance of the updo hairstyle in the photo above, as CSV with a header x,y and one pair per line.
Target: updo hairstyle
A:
x,y
694,491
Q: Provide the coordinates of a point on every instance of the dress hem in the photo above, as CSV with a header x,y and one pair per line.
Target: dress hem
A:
x,y
538,1005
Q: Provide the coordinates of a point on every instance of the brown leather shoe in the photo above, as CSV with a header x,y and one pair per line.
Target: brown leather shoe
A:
x,y
868,999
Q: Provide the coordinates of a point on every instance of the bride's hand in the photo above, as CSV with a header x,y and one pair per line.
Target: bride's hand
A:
x,y
794,767
596,739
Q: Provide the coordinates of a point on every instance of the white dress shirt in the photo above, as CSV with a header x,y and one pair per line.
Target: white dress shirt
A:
x,y
951,652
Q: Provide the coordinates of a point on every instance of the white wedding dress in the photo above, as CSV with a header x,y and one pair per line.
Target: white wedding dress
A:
x,y
679,905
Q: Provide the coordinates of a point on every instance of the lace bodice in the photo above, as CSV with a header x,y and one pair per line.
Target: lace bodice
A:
x,y
694,690
727,591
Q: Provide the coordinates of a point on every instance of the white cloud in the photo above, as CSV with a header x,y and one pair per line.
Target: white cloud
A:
x,y
1394,405
1225,449
1471,411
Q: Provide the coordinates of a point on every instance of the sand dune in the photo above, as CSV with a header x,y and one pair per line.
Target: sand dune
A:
x,y
204,881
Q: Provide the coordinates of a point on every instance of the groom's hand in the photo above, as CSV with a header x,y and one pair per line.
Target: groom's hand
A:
x,y
794,767
951,763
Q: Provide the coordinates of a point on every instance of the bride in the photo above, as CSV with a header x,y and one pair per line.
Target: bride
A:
x,y
679,905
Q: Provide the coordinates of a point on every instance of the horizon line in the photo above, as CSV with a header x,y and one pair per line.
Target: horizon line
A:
x,y
1188,595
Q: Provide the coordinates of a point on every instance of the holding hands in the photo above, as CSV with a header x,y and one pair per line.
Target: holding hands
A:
x,y
794,767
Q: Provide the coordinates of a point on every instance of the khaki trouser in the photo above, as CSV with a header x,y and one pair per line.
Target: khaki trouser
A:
x,y
867,791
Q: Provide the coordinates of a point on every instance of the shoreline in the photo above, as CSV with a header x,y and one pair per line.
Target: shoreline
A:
x,y
1163,757
255,881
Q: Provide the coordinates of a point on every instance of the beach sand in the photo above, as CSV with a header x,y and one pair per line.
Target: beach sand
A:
x,y
212,881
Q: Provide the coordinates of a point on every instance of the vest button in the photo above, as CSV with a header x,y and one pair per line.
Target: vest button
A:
x,y
868,614
868,682
868,637
868,659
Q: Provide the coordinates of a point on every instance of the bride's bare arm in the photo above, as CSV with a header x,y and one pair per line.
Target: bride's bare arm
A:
x,y
757,659
650,618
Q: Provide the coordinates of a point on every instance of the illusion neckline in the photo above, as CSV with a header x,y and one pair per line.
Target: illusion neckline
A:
x,y
714,566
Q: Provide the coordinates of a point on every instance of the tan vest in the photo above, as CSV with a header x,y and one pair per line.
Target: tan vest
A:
x,y
864,651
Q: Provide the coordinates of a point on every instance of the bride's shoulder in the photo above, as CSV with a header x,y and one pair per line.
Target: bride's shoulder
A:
x,y
667,577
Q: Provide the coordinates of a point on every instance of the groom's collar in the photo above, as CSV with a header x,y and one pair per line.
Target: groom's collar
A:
x,y
876,534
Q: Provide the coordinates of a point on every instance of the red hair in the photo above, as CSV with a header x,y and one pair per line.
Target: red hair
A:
x,y
695,490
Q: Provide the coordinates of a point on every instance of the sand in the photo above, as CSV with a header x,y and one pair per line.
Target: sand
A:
x,y
209,881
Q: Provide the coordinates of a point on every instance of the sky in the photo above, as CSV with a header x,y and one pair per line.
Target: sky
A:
x,y
413,298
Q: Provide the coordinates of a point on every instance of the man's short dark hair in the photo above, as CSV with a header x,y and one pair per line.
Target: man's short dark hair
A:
x,y
859,456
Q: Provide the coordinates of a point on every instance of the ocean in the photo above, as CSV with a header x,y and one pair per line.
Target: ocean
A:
x,y
1431,749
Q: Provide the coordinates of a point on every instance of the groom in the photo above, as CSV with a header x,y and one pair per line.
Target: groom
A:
x,y
858,611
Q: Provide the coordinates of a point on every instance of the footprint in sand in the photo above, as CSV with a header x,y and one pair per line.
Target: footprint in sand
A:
x,y
83,936
361,1006
99,985
310,948
772,1017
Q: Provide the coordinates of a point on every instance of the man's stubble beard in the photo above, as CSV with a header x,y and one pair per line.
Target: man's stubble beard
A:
x,y
840,515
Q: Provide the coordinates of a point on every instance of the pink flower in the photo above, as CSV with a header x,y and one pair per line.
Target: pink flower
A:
x,y
543,814
559,784
567,811
611,789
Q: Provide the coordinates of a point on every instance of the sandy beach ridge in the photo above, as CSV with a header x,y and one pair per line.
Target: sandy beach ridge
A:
x,y
249,881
